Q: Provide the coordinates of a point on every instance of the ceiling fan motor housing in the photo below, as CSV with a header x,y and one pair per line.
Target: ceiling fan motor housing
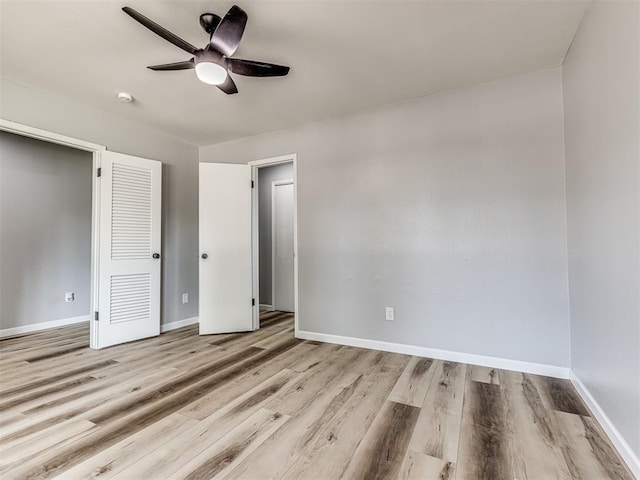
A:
x,y
209,22
211,56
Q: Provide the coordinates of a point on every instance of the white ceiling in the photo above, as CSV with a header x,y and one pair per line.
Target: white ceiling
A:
x,y
345,56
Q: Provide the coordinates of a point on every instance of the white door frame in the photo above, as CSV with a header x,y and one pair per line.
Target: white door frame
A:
x,y
276,183
96,150
255,165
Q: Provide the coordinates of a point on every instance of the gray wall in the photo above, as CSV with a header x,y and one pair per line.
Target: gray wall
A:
x,y
180,177
267,175
602,108
450,208
45,231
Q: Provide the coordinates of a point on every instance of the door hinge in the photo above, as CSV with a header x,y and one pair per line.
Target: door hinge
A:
x,y
97,316
99,171
253,302
252,184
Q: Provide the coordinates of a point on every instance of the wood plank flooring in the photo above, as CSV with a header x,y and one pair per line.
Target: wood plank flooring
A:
x,y
264,405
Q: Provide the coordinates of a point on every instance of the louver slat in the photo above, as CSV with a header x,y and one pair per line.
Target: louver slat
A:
x,y
131,213
130,297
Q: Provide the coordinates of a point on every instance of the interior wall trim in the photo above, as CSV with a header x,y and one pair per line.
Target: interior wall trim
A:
x,y
45,135
266,307
482,360
35,327
624,449
166,327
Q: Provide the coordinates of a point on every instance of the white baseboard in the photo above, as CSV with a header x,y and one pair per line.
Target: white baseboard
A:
x,y
178,324
629,456
266,308
34,327
482,360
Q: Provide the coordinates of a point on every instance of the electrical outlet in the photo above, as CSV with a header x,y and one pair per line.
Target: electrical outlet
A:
x,y
389,313
69,297
185,298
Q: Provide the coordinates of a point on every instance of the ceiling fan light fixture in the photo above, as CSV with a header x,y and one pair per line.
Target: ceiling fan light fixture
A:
x,y
213,63
211,73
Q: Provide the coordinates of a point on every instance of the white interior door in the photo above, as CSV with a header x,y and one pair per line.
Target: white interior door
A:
x,y
282,244
226,293
129,250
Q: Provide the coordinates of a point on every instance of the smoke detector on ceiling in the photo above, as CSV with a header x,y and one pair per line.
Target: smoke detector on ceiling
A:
x,y
125,97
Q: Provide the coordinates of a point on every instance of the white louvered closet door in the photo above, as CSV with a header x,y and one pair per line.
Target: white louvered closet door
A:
x,y
129,230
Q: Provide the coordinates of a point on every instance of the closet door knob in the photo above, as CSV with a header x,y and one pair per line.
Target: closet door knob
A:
x,y
156,256
205,256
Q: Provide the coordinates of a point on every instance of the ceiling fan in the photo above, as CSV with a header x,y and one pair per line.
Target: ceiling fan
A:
x,y
213,62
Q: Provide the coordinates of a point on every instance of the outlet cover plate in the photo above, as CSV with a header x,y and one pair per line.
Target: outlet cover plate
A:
x,y
389,314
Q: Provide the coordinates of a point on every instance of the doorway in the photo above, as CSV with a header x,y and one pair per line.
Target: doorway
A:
x,y
45,234
124,291
95,152
274,219
231,248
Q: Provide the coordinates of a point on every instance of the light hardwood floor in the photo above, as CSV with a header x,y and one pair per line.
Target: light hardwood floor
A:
x,y
266,405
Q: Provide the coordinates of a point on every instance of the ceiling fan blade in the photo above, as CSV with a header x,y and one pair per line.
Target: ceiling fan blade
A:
x,y
251,68
226,37
229,86
174,66
158,30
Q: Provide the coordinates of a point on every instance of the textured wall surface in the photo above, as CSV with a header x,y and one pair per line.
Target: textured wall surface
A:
x,y
602,109
450,208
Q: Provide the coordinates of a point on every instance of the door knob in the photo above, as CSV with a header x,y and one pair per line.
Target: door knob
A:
x,y
156,255
205,256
